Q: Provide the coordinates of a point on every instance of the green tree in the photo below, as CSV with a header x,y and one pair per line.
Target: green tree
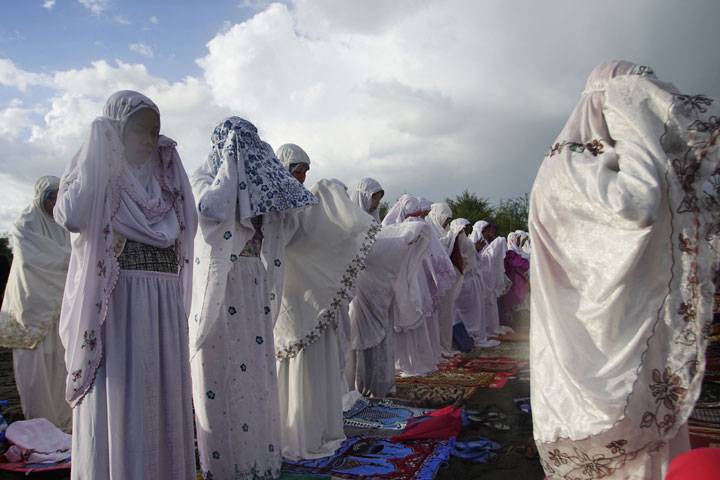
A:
x,y
470,206
384,207
512,214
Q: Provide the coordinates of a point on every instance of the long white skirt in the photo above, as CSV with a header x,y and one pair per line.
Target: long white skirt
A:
x,y
491,314
136,420
310,389
235,384
414,352
446,316
372,371
40,376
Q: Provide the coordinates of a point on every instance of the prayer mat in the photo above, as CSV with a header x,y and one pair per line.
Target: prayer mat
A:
x,y
379,458
472,379
517,350
432,396
381,414
513,337
461,363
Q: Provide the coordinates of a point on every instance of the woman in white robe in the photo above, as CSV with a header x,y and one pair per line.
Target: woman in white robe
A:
x,y
439,219
127,200
387,285
621,267
367,195
31,307
417,338
470,306
325,253
491,267
243,196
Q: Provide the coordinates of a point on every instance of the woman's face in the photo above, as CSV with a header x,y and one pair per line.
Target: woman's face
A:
x,y
375,200
299,171
489,233
140,136
446,223
49,203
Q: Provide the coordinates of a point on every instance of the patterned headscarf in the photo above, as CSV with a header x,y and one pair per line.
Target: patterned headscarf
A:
x,y
264,185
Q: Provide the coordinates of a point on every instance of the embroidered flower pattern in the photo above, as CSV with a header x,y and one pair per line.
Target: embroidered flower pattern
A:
x,y
594,147
227,235
89,340
216,455
210,394
232,310
269,186
259,340
328,318
76,375
667,388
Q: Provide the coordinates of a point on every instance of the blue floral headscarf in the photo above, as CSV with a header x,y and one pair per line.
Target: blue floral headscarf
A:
x,y
266,185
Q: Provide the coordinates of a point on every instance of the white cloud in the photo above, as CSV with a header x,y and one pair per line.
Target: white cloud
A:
x,y
154,20
49,4
428,97
122,20
12,76
142,49
95,6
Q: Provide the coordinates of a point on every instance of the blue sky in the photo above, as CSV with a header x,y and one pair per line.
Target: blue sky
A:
x,y
70,35
428,96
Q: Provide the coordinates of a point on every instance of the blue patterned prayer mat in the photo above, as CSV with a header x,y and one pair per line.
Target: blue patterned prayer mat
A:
x,y
379,458
381,414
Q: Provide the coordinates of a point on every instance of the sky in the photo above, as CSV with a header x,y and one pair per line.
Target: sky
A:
x,y
430,97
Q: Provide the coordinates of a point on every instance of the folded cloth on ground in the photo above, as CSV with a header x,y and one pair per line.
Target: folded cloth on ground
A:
x,y
441,424
479,450
37,441
381,414
378,458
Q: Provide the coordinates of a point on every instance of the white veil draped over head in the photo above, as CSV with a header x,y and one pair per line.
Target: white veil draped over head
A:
x,y
406,205
100,200
439,214
41,251
390,275
321,266
621,293
514,239
292,156
240,179
362,194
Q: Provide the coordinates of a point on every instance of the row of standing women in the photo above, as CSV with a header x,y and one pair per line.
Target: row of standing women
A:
x,y
288,291
273,286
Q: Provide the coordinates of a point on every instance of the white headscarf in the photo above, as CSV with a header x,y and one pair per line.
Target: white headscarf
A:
x,y
439,214
406,205
621,268
41,250
514,239
321,266
241,179
292,156
476,234
102,202
456,227
362,194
